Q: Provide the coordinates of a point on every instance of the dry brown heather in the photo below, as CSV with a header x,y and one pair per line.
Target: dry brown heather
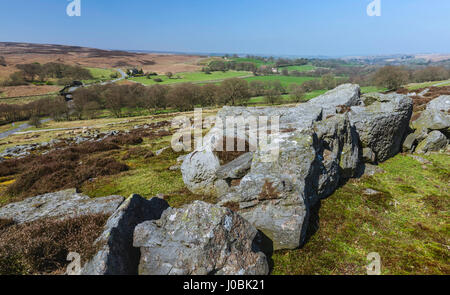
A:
x,y
41,247
71,166
21,53
420,102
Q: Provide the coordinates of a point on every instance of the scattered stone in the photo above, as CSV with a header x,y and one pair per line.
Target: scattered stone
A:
x,y
435,141
371,192
174,168
200,239
420,160
117,256
61,205
371,170
159,152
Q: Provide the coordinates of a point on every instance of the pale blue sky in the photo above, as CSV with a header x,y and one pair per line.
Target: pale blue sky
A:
x,y
295,27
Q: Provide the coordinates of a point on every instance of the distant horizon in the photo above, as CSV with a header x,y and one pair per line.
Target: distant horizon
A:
x,y
237,53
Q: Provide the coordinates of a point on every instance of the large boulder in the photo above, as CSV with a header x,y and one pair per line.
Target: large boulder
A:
x,y
116,255
277,196
61,205
200,168
200,239
382,125
435,141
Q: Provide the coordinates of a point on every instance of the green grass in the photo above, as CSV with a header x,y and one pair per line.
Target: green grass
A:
x,y
285,80
194,77
405,223
100,75
304,68
415,86
257,62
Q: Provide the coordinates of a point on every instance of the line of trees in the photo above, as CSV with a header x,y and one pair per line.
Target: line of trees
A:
x,y
35,72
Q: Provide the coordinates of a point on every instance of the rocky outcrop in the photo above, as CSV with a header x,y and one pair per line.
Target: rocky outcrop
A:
x,y
200,239
62,205
432,128
382,124
319,144
117,256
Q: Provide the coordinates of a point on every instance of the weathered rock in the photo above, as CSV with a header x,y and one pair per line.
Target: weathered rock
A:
x,y
117,256
440,104
200,239
305,161
199,168
61,205
436,116
343,95
237,168
369,156
435,141
199,173
410,143
382,125
371,170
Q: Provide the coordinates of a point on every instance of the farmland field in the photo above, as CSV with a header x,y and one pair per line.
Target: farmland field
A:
x,y
193,77
285,80
257,62
100,75
304,68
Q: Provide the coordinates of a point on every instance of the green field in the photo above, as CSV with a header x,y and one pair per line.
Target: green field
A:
x,y
304,68
285,80
257,62
194,77
100,75
369,89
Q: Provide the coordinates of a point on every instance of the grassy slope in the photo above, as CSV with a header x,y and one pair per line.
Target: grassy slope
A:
x,y
99,75
405,223
191,77
304,68
285,80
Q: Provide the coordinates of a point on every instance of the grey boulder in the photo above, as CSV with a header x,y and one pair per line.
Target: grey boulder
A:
x,y
382,125
117,256
435,141
200,239
61,205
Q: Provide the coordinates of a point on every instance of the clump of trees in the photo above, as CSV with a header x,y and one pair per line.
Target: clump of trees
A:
x,y
391,77
35,72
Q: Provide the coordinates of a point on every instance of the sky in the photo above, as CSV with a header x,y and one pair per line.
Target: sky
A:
x,y
282,27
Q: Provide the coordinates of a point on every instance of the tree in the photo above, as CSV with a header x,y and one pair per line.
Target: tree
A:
x,y
35,121
272,96
182,97
30,70
209,94
234,91
391,77
328,81
169,75
2,61
297,92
